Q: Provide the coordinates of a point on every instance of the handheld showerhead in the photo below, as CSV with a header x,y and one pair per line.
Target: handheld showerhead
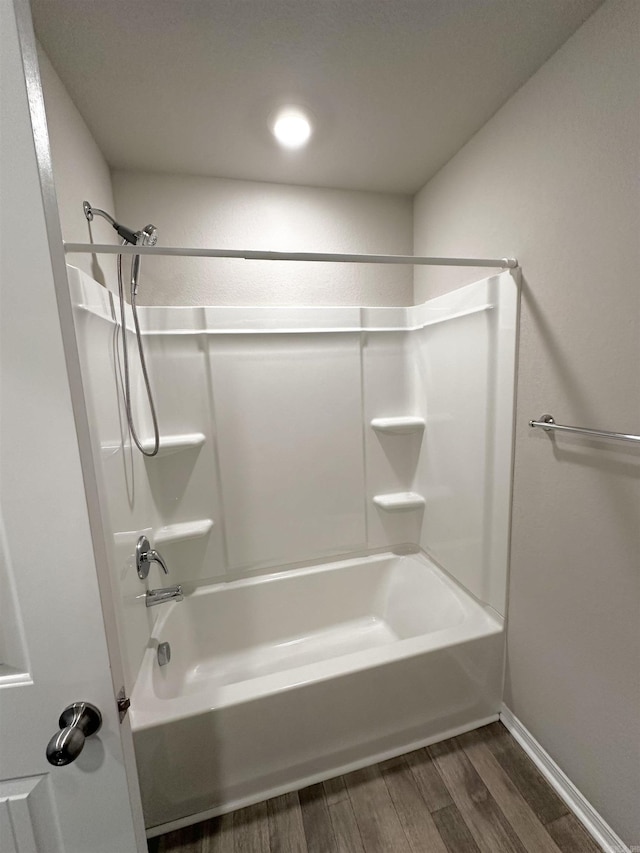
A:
x,y
148,236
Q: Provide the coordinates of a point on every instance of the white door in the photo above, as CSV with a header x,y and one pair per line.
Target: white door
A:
x,y
53,649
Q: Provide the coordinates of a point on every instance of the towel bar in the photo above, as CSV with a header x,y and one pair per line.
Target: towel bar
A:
x,y
547,423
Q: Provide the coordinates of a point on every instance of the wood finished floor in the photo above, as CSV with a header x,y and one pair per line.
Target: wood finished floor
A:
x,y
476,793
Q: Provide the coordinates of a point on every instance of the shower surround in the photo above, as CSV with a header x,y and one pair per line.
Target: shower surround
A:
x,y
333,495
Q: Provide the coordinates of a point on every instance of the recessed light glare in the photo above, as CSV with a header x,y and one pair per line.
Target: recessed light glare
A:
x,y
292,128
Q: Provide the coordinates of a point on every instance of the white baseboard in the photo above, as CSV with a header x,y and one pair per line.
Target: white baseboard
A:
x,y
595,825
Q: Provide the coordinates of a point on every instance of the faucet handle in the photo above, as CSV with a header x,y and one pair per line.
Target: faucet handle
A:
x,y
145,555
154,556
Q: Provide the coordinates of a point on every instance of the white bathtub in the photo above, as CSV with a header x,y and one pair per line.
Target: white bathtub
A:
x,y
279,681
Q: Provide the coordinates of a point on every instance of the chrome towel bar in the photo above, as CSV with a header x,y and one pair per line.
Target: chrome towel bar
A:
x,y
547,423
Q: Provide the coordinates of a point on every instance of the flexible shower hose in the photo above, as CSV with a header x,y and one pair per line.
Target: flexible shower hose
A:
x,y
143,364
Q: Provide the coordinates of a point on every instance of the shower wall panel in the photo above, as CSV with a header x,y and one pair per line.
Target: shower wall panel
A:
x,y
125,499
390,391
452,364
289,423
464,373
185,486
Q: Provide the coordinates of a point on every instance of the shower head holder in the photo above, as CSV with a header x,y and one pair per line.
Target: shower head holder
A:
x,y
124,232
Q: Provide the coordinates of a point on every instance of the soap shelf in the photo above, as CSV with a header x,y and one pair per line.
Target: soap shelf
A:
x,y
174,443
181,531
398,501
398,425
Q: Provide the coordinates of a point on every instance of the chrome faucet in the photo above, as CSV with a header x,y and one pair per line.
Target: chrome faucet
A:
x,y
145,555
159,596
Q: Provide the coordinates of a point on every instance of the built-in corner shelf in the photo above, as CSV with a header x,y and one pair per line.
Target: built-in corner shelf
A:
x,y
183,530
399,425
174,443
399,501
12,675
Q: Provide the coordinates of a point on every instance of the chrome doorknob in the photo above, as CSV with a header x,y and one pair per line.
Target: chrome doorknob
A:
x,y
77,722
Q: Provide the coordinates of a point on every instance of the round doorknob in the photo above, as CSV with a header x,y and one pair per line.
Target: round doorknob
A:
x,y
77,722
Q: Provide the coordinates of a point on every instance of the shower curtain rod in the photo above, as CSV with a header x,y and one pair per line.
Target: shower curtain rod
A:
x,y
108,249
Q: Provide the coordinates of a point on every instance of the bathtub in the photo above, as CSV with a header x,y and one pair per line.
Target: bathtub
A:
x,y
279,681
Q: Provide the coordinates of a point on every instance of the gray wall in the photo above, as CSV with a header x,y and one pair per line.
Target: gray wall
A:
x,y
80,172
220,213
553,180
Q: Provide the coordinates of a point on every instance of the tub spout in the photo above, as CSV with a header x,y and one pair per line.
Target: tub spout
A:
x,y
159,596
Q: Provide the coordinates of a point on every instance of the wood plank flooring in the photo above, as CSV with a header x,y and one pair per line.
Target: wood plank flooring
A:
x,y
477,793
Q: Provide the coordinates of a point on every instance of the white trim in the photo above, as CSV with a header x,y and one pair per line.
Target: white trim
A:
x,y
305,781
595,825
89,297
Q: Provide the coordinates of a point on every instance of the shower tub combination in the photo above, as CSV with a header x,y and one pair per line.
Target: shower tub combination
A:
x,y
279,681
315,636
